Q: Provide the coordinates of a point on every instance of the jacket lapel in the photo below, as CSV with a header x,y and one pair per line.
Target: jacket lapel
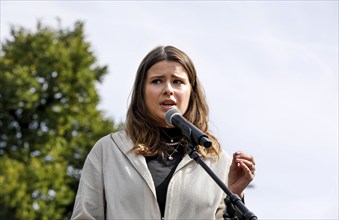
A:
x,y
138,161
185,160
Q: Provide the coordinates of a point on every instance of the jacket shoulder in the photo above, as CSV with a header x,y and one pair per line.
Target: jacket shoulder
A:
x,y
114,140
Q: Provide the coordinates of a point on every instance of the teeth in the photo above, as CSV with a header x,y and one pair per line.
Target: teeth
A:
x,y
168,103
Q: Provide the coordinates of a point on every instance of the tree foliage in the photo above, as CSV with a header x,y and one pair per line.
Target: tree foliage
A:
x,y
48,119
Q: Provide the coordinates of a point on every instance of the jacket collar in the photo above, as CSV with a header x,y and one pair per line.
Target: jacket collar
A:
x,y
125,144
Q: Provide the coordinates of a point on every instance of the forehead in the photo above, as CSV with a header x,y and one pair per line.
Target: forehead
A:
x,y
167,67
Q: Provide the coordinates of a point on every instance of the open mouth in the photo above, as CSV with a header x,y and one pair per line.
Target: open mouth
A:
x,y
168,103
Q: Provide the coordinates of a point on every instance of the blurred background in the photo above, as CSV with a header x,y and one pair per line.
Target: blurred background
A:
x,y
269,70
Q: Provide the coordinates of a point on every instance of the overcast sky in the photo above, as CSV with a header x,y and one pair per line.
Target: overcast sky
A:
x,y
269,70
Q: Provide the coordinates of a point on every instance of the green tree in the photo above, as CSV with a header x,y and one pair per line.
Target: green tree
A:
x,y
48,119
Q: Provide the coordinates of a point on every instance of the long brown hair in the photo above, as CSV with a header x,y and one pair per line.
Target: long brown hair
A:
x,y
142,128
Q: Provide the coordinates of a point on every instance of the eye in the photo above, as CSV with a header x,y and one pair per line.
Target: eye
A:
x,y
178,81
156,81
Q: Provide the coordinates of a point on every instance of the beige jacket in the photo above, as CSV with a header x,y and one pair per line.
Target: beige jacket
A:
x,y
116,184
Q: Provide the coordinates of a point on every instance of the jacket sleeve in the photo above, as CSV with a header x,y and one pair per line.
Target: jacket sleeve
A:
x,y
228,213
221,209
222,206
90,198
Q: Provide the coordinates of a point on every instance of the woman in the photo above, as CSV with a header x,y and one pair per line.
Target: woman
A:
x,y
143,171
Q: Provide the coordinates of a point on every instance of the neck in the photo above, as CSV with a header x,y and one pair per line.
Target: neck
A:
x,y
170,134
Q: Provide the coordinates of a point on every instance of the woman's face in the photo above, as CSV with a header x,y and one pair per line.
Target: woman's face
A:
x,y
167,86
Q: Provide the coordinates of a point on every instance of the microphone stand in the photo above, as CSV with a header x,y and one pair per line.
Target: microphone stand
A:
x,y
232,201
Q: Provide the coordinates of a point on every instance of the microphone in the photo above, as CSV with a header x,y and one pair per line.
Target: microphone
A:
x,y
173,117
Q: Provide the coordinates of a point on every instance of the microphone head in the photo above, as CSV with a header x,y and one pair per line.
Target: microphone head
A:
x,y
169,115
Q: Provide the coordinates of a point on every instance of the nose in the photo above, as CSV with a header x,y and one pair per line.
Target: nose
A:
x,y
168,90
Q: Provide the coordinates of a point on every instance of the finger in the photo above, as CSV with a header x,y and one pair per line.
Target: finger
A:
x,y
235,160
249,172
251,166
246,166
242,155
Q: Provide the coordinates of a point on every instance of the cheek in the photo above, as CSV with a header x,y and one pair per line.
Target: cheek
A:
x,y
148,100
188,93
185,98
151,97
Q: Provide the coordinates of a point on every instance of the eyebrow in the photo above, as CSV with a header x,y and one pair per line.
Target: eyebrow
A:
x,y
162,76
157,75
